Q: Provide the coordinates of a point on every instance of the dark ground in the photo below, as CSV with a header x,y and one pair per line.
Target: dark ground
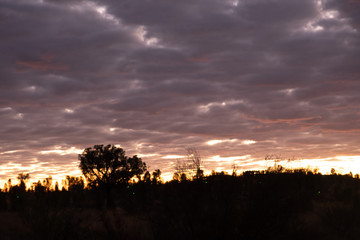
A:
x,y
255,205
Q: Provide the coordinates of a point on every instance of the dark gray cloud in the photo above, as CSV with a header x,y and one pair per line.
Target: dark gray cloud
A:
x,y
159,76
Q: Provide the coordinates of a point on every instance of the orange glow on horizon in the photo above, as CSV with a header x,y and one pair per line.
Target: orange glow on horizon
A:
x,y
40,168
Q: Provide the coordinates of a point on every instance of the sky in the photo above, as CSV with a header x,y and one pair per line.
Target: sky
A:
x,y
238,80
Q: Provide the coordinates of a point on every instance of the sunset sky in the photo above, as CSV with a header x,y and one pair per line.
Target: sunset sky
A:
x,y
237,80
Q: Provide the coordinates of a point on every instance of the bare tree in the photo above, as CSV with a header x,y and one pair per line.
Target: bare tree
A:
x,y
234,168
181,170
280,163
194,159
190,167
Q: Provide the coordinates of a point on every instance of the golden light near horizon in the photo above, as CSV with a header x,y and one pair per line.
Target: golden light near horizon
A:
x,y
217,163
155,78
324,165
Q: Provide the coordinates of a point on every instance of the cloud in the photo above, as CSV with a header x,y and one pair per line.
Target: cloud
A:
x,y
165,75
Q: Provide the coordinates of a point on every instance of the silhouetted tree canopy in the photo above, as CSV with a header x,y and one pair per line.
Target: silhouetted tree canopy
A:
x,y
156,176
23,177
104,166
74,183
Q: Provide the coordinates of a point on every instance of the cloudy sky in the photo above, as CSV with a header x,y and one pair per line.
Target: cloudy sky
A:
x,y
236,79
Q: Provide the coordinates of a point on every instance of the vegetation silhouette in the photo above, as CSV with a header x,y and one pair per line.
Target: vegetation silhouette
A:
x,y
107,166
276,203
190,167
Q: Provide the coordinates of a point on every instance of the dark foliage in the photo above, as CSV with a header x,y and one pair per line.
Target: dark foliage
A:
x,y
294,204
104,167
107,165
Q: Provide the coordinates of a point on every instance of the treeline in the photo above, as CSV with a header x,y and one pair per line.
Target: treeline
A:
x,y
270,204
123,200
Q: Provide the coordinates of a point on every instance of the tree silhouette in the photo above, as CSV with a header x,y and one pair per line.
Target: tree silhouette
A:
x,y
190,167
47,183
106,166
23,177
147,177
194,158
74,183
156,176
